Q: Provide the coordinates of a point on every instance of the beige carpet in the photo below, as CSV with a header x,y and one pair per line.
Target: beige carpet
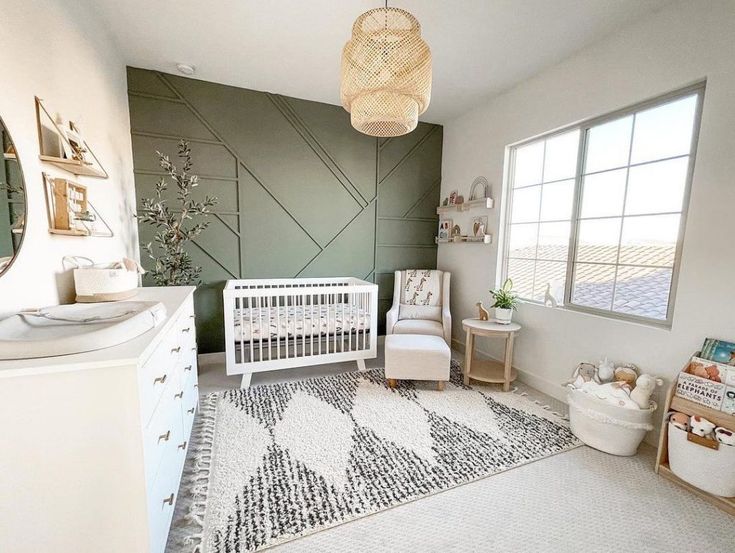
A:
x,y
579,501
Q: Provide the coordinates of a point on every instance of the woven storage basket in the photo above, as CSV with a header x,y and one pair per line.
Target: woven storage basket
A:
x,y
609,428
103,281
711,470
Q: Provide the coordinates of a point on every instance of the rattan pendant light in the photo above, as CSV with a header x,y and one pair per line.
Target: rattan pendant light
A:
x,y
386,73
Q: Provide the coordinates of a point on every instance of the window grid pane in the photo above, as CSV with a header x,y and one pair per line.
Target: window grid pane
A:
x,y
540,218
632,187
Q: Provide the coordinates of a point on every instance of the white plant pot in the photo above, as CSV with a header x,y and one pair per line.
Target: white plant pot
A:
x,y
503,316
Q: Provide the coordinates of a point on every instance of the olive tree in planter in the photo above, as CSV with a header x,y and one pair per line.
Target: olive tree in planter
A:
x,y
505,302
176,224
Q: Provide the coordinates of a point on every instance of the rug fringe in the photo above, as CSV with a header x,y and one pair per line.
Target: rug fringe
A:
x,y
198,471
542,405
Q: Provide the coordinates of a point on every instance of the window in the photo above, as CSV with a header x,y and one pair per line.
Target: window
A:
x,y
596,212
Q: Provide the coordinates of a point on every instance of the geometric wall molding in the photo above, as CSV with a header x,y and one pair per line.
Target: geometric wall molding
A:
x,y
301,192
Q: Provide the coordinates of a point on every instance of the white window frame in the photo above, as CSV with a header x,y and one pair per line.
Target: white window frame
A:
x,y
584,127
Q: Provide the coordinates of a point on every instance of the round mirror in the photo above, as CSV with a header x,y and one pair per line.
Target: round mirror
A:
x,y
12,202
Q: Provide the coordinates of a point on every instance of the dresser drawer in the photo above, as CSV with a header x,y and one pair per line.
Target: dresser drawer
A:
x,y
164,433
191,402
162,499
156,375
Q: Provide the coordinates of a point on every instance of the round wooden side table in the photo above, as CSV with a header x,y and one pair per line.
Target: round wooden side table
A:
x,y
486,370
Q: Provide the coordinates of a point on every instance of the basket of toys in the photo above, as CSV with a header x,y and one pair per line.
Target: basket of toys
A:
x,y
702,454
610,408
701,442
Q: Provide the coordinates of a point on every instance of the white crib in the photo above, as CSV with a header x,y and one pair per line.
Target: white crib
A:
x,y
273,324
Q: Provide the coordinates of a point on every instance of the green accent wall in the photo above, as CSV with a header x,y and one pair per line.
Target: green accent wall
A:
x,y
301,193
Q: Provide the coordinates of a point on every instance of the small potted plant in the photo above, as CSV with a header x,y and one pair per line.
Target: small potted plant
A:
x,y
505,302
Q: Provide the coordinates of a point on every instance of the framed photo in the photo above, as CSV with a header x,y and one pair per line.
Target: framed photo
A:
x,y
74,146
445,229
479,226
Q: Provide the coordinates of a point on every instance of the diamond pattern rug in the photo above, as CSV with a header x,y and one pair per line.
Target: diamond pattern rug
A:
x,y
281,461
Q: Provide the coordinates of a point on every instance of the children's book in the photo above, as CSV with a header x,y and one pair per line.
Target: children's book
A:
x,y
719,351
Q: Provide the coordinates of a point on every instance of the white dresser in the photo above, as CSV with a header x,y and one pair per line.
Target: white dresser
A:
x,y
92,446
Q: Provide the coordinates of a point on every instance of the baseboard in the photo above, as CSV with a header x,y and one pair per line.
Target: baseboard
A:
x,y
216,358
553,389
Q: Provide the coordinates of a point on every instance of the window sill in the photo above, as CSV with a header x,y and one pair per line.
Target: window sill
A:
x,y
615,318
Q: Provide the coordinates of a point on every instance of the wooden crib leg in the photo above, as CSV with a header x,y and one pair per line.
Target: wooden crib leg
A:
x,y
245,382
360,364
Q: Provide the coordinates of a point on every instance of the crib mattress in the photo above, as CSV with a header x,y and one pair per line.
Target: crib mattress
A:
x,y
298,321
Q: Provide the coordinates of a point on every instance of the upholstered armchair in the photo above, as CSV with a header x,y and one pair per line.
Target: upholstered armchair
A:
x,y
421,304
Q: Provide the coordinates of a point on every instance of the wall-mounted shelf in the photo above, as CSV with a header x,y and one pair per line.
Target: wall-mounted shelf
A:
x,y
484,203
74,166
70,213
486,239
70,232
63,147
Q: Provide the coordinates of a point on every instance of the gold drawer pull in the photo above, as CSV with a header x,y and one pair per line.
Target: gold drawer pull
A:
x,y
177,349
190,411
165,437
187,368
187,329
194,348
160,379
179,395
169,499
182,446
191,316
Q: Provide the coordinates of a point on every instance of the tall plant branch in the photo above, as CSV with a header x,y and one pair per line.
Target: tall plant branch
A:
x,y
173,265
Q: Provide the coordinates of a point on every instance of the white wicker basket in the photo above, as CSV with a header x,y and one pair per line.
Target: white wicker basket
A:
x,y
711,470
609,428
102,281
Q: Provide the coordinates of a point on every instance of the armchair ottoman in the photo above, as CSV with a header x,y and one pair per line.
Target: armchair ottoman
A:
x,y
416,357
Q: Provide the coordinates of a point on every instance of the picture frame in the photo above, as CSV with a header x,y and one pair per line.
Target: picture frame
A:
x,y
74,145
445,229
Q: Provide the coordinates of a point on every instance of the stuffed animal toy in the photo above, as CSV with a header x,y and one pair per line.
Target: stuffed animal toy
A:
x,y
627,374
644,386
615,393
585,372
680,420
725,436
606,370
701,426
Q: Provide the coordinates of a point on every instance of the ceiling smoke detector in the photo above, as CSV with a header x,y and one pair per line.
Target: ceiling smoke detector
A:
x,y
185,68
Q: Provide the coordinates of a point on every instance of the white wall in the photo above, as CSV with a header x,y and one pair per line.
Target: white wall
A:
x,y
683,43
55,50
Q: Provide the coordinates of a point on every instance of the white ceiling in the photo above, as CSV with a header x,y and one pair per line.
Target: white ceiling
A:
x,y
293,47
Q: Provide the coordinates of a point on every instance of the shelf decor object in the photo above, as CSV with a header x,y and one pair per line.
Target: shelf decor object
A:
x,y
63,146
480,189
386,73
70,212
663,459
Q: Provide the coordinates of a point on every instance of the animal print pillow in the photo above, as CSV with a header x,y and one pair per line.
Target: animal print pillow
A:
x,y
421,294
